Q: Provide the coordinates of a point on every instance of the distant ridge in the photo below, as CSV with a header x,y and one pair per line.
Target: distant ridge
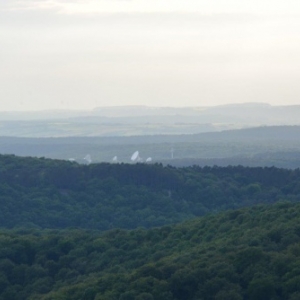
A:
x,y
139,120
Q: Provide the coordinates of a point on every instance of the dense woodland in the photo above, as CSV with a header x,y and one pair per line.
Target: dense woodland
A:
x,y
251,253
143,232
42,193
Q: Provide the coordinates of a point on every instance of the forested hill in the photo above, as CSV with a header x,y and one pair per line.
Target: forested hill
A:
x,y
42,193
262,146
247,254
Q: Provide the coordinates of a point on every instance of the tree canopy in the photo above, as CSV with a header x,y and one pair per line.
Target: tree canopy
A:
x,y
42,193
250,253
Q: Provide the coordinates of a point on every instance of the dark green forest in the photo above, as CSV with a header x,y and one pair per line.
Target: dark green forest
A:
x,y
147,232
250,253
43,193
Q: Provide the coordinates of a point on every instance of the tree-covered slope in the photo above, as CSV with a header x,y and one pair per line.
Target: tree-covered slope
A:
x,y
251,253
45,193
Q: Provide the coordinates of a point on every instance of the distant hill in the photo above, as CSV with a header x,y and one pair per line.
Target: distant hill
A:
x,y
143,120
261,146
289,160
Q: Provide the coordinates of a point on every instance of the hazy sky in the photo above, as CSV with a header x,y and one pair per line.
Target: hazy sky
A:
x,y
83,54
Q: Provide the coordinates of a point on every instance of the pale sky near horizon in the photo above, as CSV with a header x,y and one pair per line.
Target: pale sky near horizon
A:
x,y
66,54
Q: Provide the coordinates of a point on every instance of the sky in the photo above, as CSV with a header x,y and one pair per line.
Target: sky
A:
x,y
64,54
